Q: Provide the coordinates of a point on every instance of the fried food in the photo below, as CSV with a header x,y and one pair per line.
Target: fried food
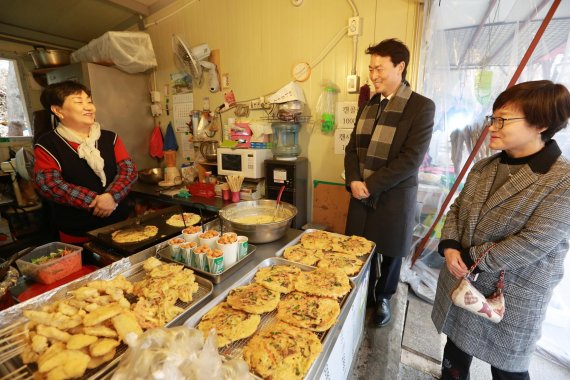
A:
x,y
325,282
278,278
309,312
349,264
163,286
101,314
102,346
253,298
281,351
79,341
59,320
177,221
230,324
134,234
300,254
354,245
101,331
319,239
125,323
66,364
52,333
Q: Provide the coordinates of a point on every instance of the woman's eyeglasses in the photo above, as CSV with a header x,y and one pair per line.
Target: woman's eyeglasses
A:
x,y
499,122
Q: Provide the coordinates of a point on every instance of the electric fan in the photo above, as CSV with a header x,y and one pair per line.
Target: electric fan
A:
x,y
193,61
25,163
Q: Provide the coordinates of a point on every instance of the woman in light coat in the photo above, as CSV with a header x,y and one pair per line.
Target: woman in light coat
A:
x,y
518,199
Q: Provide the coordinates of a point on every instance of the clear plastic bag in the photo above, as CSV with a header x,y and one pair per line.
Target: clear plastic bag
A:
x,y
131,52
326,107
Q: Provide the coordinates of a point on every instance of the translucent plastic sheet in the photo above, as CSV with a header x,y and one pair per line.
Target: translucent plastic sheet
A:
x,y
466,61
131,52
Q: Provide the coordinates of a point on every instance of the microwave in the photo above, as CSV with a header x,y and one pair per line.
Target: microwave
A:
x,y
248,163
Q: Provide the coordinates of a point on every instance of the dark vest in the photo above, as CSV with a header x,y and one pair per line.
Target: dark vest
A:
x,y
71,220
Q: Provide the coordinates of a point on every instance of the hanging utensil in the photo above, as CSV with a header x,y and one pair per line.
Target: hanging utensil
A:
x,y
278,202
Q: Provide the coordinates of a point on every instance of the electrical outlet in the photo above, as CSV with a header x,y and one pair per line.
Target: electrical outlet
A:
x,y
355,26
256,104
352,84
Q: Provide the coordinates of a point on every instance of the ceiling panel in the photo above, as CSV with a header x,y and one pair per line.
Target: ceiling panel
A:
x,y
69,23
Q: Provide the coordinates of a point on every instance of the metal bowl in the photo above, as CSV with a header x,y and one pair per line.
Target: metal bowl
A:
x,y
49,57
258,233
151,175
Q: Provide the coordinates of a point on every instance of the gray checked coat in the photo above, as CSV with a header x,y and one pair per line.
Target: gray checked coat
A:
x,y
529,219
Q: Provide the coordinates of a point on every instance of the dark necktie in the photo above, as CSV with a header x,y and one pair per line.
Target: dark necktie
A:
x,y
380,110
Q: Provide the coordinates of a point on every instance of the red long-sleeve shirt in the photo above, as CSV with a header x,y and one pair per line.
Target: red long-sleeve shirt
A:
x,y
51,184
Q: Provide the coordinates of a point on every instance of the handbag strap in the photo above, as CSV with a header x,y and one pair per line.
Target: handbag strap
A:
x,y
501,282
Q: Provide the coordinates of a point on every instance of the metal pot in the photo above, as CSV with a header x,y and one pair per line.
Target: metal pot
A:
x,y
257,233
49,57
152,175
209,149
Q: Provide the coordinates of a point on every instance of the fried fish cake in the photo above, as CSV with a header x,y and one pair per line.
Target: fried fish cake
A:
x,y
278,278
300,254
281,351
325,282
230,324
309,312
349,264
254,298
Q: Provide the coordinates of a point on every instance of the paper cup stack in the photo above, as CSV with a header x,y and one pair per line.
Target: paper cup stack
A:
x,y
228,244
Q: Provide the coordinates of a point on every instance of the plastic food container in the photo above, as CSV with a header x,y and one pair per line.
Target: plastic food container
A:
x,y
54,269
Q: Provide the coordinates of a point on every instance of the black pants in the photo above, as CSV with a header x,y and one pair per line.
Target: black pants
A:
x,y
456,363
385,283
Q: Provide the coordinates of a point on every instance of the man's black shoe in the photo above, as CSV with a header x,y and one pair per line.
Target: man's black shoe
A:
x,y
383,313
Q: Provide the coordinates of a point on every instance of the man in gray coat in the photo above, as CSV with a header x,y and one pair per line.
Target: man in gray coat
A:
x,y
386,148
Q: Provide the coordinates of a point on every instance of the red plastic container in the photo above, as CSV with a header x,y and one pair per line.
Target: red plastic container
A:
x,y
54,269
199,189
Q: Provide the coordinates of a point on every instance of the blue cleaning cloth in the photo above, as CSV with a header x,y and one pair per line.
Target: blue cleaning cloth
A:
x,y
170,140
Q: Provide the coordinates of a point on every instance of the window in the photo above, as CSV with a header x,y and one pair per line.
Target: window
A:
x,y
14,119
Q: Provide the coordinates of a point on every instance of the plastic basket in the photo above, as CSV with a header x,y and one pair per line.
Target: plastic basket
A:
x,y
52,270
206,190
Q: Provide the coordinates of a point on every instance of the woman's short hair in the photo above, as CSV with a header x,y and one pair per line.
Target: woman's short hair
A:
x,y
55,94
544,104
393,48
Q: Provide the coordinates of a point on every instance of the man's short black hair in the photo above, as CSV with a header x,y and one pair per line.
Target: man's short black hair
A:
x,y
393,48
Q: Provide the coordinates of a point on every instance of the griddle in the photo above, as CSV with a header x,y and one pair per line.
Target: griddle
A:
x,y
156,218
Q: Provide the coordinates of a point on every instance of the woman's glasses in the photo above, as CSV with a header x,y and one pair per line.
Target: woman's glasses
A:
x,y
499,122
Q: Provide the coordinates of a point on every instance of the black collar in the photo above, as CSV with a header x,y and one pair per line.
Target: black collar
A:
x,y
539,162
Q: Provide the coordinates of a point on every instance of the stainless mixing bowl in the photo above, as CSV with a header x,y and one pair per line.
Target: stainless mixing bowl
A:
x,y
257,233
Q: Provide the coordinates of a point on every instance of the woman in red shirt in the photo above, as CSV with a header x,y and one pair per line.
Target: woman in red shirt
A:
x,y
84,171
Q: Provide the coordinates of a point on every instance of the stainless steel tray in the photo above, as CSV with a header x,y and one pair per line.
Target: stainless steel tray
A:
x,y
215,278
365,258
236,348
132,269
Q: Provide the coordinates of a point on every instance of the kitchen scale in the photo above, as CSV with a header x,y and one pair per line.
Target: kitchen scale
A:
x,y
286,140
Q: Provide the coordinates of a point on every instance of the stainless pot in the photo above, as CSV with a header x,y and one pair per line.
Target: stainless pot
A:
x,y
257,233
49,57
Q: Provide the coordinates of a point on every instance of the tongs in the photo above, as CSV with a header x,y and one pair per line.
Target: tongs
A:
x,y
6,266
278,203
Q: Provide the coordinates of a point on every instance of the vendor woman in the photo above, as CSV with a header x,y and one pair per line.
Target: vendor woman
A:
x,y
84,171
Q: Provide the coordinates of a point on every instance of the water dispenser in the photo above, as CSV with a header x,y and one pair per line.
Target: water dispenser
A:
x,y
286,140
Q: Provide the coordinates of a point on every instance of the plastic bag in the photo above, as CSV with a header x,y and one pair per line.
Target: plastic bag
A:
x,y
326,107
131,52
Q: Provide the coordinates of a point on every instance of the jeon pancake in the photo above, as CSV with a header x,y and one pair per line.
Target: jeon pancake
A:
x,y
325,282
254,298
309,312
300,254
230,324
278,278
282,352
